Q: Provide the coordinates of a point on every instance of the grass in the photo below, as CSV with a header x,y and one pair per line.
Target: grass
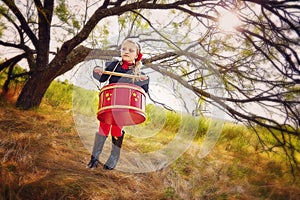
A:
x,y
42,157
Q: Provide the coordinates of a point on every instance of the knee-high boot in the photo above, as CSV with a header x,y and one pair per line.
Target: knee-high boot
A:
x,y
97,149
115,153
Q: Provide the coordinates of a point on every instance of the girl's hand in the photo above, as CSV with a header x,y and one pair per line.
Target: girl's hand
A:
x,y
98,70
143,78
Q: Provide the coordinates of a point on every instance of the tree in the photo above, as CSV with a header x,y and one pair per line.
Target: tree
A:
x,y
255,65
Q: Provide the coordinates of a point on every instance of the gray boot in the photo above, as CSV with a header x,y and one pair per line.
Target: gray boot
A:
x,y
115,152
97,149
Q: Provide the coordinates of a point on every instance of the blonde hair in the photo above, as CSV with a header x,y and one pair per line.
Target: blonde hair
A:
x,y
138,62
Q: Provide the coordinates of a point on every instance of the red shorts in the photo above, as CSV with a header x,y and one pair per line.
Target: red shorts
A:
x,y
105,129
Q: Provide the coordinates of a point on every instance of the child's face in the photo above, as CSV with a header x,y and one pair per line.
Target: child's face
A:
x,y
129,52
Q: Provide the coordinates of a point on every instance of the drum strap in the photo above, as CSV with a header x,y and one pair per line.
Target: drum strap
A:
x,y
113,70
136,72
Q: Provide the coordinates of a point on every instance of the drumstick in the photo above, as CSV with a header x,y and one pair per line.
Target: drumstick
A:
x,y
121,74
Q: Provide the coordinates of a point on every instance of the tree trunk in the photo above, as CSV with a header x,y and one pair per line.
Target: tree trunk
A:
x,y
32,93
34,89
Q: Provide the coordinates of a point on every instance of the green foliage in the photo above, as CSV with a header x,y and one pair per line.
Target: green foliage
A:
x,y
65,95
189,124
62,11
155,115
239,138
2,25
203,127
75,23
173,121
170,193
59,94
85,101
100,36
131,22
14,82
104,36
294,93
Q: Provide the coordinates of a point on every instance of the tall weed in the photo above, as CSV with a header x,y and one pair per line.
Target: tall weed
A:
x,y
85,101
155,116
59,94
173,121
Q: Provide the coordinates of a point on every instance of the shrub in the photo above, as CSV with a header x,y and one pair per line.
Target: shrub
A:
x,y
59,94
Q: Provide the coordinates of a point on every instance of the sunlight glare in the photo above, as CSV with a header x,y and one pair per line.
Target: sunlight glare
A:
x,y
228,21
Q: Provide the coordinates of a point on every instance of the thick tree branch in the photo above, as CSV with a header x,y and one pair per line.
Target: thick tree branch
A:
x,y
11,61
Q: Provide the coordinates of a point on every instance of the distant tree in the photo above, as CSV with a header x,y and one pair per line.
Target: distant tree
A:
x,y
250,71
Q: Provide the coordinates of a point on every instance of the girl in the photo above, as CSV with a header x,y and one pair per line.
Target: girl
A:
x,y
131,61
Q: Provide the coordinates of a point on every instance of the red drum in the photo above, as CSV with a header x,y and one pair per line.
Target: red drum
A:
x,y
121,104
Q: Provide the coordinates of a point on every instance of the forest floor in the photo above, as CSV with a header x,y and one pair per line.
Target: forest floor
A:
x,y
42,157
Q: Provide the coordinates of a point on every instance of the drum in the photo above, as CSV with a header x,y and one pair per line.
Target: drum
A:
x,y
122,104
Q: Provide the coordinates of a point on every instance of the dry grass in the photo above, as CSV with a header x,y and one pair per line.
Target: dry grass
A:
x,y
42,157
